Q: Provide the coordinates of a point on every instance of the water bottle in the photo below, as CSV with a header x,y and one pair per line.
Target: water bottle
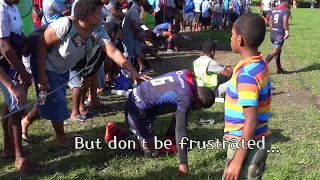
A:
x,y
42,97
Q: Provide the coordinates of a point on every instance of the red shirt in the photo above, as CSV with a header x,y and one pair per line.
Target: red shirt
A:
x,y
37,4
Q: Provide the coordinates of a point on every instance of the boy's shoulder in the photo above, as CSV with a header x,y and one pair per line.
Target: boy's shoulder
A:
x,y
254,68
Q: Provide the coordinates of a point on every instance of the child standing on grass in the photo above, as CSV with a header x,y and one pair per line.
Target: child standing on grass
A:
x,y
279,26
248,102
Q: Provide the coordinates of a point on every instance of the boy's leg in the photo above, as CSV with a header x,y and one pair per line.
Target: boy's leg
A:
x,y
75,84
8,149
275,50
13,131
93,95
25,123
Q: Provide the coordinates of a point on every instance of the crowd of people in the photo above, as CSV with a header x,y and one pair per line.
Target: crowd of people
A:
x,y
110,40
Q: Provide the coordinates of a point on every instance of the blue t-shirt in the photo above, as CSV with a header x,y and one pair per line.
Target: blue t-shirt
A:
x,y
172,90
161,27
236,5
189,6
52,10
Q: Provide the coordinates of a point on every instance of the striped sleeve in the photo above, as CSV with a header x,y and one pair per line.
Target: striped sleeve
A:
x,y
248,90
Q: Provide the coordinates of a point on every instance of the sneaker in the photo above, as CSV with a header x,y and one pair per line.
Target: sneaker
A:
x,y
144,70
169,51
281,71
111,129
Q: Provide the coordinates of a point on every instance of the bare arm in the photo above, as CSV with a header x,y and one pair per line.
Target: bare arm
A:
x,y
286,26
48,39
270,22
18,94
118,58
250,123
11,56
226,73
286,23
5,80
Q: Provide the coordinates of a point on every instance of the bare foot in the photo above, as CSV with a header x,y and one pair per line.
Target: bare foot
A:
x,y
99,90
25,166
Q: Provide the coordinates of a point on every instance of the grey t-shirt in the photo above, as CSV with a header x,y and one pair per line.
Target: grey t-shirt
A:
x,y
132,15
72,48
214,67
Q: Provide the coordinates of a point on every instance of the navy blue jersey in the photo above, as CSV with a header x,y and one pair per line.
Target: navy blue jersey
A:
x,y
277,15
167,93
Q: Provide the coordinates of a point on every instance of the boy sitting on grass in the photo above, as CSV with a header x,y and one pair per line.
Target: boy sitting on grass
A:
x,y
248,101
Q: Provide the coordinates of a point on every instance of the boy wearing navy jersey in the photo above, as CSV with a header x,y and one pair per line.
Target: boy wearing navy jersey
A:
x,y
279,26
172,92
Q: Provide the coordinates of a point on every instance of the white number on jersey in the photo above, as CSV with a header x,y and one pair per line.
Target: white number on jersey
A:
x,y
276,18
161,81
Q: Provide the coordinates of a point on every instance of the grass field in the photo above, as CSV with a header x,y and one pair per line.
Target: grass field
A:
x,y
294,123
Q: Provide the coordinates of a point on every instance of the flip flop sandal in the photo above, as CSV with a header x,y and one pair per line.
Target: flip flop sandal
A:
x,y
209,121
81,118
24,139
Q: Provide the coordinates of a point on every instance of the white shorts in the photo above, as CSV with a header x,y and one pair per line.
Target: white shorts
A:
x,y
188,17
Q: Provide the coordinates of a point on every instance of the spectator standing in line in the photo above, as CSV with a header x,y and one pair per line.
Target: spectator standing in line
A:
x,y
53,10
197,14
188,14
11,25
266,8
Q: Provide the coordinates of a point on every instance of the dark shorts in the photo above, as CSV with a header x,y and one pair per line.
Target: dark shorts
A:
x,y
254,164
206,21
266,14
233,17
56,106
277,42
159,34
139,120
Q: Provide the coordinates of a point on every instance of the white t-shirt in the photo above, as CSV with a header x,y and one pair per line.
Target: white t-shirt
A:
x,y
197,5
10,20
217,8
266,5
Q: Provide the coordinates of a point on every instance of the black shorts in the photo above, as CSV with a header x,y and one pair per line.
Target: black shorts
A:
x,y
277,40
140,121
206,21
233,17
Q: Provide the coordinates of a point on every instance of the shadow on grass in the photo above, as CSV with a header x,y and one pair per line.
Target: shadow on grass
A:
x,y
277,93
278,137
313,67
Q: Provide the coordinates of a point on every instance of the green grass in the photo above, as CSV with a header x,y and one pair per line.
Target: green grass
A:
x,y
294,123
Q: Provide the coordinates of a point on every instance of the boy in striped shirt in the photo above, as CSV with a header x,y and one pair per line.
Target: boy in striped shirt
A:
x,y
248,102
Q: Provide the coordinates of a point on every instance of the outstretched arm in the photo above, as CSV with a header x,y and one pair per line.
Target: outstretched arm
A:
x,y
181,139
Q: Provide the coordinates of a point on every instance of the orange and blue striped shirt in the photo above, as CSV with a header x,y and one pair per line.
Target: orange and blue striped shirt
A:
x,y
250,85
